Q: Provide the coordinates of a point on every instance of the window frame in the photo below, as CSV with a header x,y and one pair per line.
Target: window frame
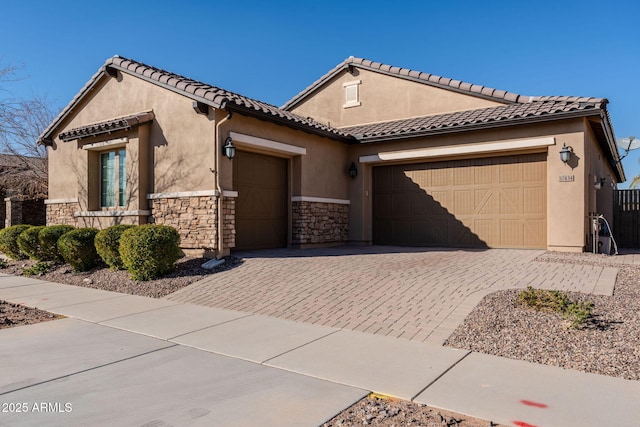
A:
x,y
352,88
118,179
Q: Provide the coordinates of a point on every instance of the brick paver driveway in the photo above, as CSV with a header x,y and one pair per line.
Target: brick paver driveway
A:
x,y
412,293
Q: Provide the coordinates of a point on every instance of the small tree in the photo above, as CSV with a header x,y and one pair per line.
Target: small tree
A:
x,y
21,123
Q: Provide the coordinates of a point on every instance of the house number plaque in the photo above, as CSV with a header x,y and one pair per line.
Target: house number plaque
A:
x,y
567,178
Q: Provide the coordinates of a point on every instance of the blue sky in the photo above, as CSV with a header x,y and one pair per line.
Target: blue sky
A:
x,y
271,50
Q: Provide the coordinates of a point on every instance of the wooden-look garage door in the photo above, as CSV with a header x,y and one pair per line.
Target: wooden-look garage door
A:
x,y
497,202
261,206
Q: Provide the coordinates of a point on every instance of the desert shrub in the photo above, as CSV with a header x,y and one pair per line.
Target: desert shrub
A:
x,y
48,237
78,249
9,241
576,312
29,243
38,269
108,245
149,251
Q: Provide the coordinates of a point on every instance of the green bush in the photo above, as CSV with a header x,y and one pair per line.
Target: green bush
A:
x,y
8,241
576,312
48,237
78,249
149,251
108,245
38,269
29,243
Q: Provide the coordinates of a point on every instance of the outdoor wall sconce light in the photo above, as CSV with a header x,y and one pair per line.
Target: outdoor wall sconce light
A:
x,y
353,171
565,153
599,182
229,150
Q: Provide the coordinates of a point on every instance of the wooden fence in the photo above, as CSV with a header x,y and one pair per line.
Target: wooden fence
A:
x,y
626,218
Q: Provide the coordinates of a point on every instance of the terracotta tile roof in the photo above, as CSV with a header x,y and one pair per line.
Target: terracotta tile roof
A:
x,y
220,98
107,126
201,92
543,109
408,74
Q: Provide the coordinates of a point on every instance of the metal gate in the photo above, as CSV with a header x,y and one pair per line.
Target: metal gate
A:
x,y
626,218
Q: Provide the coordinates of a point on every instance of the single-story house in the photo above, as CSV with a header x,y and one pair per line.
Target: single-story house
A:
x,y
367,154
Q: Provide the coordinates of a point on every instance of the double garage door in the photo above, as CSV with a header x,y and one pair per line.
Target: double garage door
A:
x,y
497,202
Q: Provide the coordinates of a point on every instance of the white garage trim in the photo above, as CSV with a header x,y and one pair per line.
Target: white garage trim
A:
x,y
241,140
424,153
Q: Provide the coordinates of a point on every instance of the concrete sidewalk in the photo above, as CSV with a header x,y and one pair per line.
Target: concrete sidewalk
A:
x,y
123,360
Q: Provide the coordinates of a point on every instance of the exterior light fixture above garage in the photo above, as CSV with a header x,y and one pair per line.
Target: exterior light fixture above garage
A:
x,y
565,153
229,150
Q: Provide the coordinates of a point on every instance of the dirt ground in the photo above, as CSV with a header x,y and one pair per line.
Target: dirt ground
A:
x,y
16,315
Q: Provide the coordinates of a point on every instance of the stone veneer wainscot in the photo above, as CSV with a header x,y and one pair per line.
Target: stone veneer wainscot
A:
x,y
194,216
319,222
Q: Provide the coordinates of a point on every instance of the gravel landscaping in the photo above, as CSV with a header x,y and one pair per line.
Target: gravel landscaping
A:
x,y
376,410
188,271
608,344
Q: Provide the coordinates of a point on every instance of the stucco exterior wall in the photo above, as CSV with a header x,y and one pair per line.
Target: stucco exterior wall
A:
x,y
180,142
321,172
382,98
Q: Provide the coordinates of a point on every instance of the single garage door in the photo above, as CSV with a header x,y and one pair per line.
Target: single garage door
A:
x,y
497,202
261,206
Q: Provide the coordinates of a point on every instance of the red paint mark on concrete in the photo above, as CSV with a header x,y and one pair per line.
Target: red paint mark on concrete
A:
x,y
523,424
534,404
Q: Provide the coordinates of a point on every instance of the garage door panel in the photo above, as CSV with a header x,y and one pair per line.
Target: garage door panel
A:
x,y
534,200
510,201
534,231
494,202
261,206
511,232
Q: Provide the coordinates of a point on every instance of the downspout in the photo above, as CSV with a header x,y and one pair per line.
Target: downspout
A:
x,y
217,149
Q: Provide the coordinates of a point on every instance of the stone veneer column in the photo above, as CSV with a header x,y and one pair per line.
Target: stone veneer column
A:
x,y
229,218
14,211
193,216
318,222
61,213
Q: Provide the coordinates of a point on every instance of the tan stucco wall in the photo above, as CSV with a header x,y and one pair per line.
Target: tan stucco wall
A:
x,y
180,142
599,201
321,172
565,200
382,98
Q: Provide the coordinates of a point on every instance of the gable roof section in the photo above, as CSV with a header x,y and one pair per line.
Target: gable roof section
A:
x,y
408,74
200,92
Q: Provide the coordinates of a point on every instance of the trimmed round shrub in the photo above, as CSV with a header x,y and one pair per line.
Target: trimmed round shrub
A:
x,y
108,245
29,243
48,237
9,241
149,251
78,249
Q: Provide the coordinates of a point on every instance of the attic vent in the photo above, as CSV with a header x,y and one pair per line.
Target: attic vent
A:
x,y
352,94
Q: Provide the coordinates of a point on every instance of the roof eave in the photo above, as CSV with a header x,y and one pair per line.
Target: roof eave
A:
x,y
46,137
614,159
315,85
478,126
288,123
174,89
